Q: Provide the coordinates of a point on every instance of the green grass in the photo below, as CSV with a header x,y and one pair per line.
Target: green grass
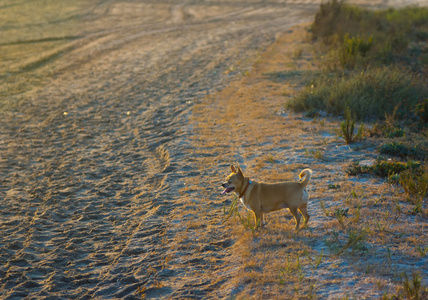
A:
x,y
374,62
377,36
369,94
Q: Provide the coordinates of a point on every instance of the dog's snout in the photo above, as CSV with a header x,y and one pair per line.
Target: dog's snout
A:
x,y
223,185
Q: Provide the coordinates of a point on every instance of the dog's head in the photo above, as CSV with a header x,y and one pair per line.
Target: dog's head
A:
x,y
234,181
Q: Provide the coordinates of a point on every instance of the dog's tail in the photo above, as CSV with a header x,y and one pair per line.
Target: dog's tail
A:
x,y
307,173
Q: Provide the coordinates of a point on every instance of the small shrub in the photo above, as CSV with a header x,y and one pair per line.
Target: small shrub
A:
x,y
399,149
347,127
395,132
413,289
415,183
422,250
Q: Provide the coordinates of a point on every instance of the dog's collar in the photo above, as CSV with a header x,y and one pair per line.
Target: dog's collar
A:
x,y
245,189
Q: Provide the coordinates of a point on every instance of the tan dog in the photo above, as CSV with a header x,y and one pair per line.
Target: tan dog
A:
x,y
267,197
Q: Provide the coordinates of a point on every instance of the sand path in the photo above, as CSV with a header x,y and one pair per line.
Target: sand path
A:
x,y
94,163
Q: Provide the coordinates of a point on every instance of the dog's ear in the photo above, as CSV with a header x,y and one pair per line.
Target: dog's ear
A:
x,y
232,168
240,174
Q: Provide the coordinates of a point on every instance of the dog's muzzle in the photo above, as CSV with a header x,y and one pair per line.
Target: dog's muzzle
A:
x,y
227,189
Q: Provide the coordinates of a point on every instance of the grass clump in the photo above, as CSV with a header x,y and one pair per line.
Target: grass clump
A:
x,y
245,219
411,289
347,127
415,184
369,94
355,241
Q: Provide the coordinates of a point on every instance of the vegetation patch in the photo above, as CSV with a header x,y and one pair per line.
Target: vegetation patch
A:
x,y
373,60
384,168
411,175
369,94
365,37
402,150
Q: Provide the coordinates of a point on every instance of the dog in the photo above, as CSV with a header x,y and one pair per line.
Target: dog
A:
x,y
263,197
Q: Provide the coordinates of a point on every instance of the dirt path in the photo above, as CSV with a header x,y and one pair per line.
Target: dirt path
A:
x,y
101,182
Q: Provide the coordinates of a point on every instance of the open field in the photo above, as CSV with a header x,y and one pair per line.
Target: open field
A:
x,y
118,123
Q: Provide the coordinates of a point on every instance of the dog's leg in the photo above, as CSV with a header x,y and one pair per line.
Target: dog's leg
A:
x,y
304,211
262,220
296,216
259,218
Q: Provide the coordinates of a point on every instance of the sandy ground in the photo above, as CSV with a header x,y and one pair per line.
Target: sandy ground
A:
x,y
251,128
111,157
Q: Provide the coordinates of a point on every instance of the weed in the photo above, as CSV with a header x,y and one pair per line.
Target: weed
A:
x,y
317,154
270,159
355,240
232,210
381,227
422,250
412,289
415,183
417,208
326,211
246,220
343,212
333,186
339,213
318,260
357,213
347,127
